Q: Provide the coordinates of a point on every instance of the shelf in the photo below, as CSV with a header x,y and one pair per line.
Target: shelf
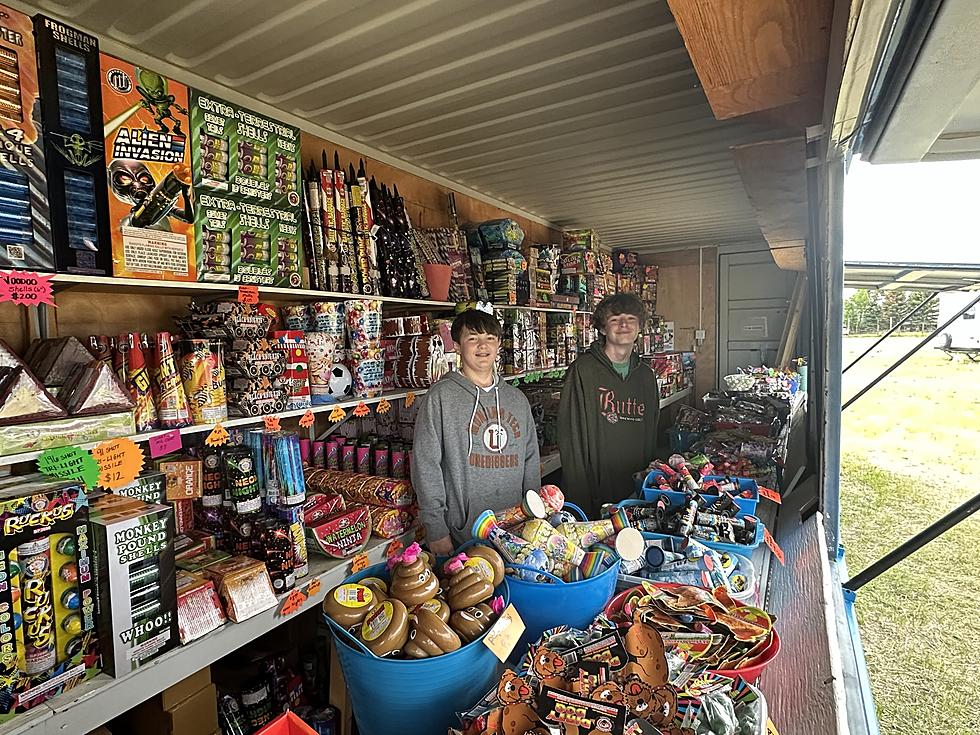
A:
x,y
94,703
550,463
675,397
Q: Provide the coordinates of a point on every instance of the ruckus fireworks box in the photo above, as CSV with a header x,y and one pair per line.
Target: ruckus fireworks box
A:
x,y
147,143
246,242
47,599
74,147
135,583
25,235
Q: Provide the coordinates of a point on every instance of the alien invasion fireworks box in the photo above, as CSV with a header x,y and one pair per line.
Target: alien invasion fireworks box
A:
x,y
74,147
135,582
246,176
25,234
148,154
46,583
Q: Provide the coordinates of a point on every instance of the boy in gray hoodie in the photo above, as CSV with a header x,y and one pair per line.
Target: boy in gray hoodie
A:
x,y
475,445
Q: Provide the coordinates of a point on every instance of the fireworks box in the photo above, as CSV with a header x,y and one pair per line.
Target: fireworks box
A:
x,y
243,241
74,147
46,554
150,487
25,236
133,548
147,145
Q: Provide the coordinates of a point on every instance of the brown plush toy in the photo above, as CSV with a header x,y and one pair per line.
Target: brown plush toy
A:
x,y
550,669
517,697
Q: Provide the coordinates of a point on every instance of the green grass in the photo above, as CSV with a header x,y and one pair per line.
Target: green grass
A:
x,y
911,453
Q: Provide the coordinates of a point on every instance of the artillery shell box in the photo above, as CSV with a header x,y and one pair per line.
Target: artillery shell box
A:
x,y
74,147
133,547
25,235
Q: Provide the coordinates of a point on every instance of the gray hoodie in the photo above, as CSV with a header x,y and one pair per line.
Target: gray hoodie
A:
x,y
474,449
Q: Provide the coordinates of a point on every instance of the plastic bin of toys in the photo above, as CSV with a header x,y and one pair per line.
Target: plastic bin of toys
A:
x,y
747,498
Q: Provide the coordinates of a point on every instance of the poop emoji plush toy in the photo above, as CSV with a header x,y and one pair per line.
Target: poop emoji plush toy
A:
x,y
550,669
646,654
412,581
657,705
517,698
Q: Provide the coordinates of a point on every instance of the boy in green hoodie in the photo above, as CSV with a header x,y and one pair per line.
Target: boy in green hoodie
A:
x,y
475,446
610,404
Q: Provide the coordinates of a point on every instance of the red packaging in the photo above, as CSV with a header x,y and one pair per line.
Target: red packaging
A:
x,y
343,534
199,609
183,515
320,507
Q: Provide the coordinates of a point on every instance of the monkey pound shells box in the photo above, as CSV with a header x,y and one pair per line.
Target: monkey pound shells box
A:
x,y
47,601
133,546
148,155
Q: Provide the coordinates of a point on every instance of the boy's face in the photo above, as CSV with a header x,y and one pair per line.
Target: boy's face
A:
x,y
478,351
622,329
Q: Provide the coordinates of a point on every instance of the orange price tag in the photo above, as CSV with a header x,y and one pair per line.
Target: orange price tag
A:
x,y
313,587
338,414
291,603
362,410
773,546
272,423
308,419
119,460
248,294
394,549
770,494
409,400
383,407
359,562
218,436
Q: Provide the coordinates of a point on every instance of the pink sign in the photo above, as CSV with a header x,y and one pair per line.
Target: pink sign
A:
x,y
26,288
162,444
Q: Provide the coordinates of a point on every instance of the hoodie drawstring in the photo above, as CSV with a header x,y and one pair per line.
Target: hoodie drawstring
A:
x,y
476,407
496,393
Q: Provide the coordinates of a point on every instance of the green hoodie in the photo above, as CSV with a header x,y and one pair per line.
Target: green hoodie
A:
x,y
607,428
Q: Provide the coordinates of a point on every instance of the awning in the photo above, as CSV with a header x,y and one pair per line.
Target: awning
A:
x,y
912,276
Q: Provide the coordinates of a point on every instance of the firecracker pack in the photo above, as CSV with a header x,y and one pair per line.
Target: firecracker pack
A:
x,y
25,236
256,397
133,548
256,358
47,606
147,144
296,378
69,81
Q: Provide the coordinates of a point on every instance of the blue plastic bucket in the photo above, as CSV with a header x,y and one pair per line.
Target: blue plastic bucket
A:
x,y
747,506
414,697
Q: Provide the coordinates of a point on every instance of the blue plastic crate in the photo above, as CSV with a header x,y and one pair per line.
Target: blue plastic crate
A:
x,y
649,491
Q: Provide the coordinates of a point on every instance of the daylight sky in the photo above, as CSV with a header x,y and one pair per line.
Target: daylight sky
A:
x,y
919,212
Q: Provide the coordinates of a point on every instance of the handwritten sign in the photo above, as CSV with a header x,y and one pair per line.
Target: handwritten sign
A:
x,y
409,400
120,460
308,419
504,634
394,549
362,410
271,423
294,601
26,288
359,563
162,444
217,437
383,407
770,494
69,463
248,294
338,414
773,546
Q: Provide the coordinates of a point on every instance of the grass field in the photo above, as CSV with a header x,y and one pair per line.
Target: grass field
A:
x,y
911,452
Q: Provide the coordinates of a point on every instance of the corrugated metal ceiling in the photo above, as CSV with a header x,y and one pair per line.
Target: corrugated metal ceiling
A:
x,y
584,113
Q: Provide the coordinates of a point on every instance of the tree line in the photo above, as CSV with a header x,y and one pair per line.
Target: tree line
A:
x,y
872,311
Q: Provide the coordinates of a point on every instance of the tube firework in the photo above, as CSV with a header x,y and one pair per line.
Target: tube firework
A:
x,y
202,372
513,548
542,534
293,515
172,407
37,605
292,484
139,385
99,345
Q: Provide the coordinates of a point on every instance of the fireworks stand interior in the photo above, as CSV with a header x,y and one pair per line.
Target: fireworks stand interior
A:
x,y
234,236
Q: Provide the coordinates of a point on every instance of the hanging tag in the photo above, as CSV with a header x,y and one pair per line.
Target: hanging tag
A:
x,y
773,546
248,294
271,423
120,460
383,407
771,728
218,436
362,410
313,587
26,288
338,414
409,399
770,494
162,444
358,563
505,633
394,549
308,419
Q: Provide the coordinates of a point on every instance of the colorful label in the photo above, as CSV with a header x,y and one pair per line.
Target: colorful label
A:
x,y
353,595
481,565
377,622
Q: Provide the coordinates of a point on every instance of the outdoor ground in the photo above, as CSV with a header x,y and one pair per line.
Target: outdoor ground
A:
x,y
911,452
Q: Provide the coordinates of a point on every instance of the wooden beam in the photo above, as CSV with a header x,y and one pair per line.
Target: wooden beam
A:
x,y
774,177
753,55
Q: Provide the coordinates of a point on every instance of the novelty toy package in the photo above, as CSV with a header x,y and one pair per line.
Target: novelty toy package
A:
x,y
47,609
151,211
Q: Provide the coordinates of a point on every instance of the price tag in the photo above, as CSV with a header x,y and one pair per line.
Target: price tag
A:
x,y
362,410
162,444
26,288
69,463
218,436
773,546
248,294
771,728
295,600
272,423
394,549
313,587
504,634
308,419
120,460
359,563
338,414
383,407
770,494
409,399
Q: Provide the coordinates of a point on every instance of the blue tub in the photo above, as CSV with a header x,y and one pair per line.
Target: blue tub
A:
x,y
414,697
649,491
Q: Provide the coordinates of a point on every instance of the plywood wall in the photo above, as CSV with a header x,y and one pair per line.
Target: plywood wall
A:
x,y
677,301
